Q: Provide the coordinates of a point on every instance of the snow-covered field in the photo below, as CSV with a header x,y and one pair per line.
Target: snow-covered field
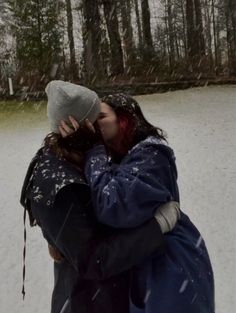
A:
x,y
201,128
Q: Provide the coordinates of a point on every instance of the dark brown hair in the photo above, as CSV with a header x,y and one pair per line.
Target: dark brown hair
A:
x,y
67,148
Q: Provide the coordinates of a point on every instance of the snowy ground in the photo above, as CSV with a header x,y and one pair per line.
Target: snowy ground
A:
x,y
201,128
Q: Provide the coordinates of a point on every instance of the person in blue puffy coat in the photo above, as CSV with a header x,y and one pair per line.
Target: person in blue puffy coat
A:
x,y
127,189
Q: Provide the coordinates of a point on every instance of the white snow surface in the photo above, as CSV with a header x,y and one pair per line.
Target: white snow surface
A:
x,y
200,123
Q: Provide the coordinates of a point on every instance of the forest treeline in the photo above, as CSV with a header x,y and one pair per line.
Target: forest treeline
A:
x,y
96,42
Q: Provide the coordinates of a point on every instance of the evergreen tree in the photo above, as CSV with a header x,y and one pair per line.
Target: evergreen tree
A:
x,y
38,35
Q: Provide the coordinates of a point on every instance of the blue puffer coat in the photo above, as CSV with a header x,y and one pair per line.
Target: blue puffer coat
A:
x,y
181,281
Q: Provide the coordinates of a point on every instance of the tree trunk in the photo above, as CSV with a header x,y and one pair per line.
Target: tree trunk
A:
x,y
110,13
177,45
195,39
166,36
94,67
215,37
147,36
74,73
127,34
233,21
171,32
208,34
184,28
39,36
140,37
231,34
199,28
191,40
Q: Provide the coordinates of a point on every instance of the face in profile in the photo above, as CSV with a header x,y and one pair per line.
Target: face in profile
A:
x,y
108,123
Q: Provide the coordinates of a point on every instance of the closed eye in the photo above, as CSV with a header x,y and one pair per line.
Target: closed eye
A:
x,y
102,115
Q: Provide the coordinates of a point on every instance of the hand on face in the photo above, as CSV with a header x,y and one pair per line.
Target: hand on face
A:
x,y
79,138
107,123
66,130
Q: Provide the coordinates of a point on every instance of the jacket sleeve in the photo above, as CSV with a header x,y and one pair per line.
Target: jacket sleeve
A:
x,y
76,235
131,194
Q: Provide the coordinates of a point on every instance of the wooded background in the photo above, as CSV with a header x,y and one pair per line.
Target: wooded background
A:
x,y
97,42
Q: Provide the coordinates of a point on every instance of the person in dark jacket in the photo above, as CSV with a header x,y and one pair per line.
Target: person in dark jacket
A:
x,y
181,280
94,274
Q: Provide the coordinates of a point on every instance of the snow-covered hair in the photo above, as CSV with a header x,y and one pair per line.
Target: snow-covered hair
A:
x,y
134,127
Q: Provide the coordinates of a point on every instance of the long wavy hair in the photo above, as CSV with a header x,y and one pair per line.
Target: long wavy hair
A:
x,y
72,148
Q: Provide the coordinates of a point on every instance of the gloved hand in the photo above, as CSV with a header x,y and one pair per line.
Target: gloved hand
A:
x,y
167,215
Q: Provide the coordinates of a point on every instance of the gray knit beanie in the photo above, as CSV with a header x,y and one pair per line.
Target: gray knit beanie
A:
x,y
66,99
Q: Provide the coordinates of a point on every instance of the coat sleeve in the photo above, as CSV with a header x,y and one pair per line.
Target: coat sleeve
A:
x,y
76,235
131,194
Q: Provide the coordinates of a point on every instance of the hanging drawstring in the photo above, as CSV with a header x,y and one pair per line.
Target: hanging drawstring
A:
x,y
24,254
25,202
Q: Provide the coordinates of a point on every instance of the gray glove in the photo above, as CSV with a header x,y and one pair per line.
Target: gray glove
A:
x,y
167,215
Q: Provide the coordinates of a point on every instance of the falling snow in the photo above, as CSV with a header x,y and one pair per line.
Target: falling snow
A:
x,y
95,295
148,293
200,123
199,242
184,286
